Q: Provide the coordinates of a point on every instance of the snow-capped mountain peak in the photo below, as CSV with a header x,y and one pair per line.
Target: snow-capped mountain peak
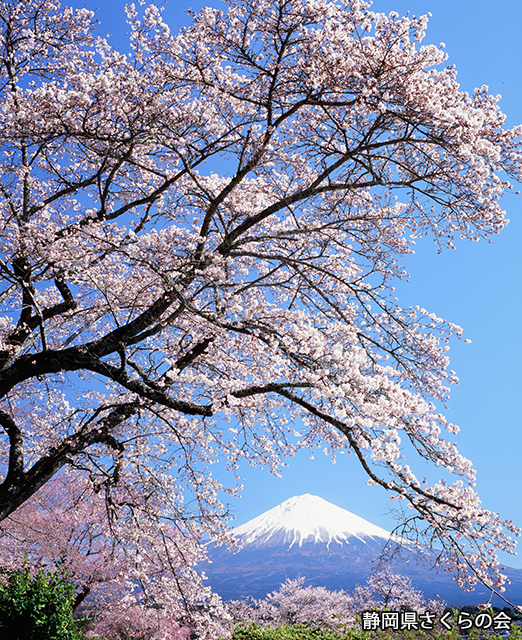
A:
x,y
331,547
307,518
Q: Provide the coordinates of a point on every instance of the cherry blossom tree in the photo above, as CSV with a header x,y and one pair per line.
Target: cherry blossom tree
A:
x,y
131,586
63,525
295,603
206,228
385,589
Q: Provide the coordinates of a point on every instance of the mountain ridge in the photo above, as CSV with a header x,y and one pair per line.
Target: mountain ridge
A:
x,y
331,547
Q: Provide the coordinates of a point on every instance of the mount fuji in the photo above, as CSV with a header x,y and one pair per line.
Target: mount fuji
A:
x,y
304,519
331,547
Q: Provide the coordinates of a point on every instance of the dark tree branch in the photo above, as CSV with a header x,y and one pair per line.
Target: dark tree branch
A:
x,y
193,353
19,487
16,451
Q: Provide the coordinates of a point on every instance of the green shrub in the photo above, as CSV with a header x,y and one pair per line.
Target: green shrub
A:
x,y
37,607
252,631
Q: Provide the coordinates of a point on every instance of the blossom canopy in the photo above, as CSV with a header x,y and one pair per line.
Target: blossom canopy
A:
x,y
207,228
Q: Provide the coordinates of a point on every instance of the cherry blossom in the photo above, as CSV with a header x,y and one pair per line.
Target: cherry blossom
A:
x,y
132,577
206,228
295,603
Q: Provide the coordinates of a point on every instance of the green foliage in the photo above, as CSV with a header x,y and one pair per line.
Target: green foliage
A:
x,y
37,607
252,631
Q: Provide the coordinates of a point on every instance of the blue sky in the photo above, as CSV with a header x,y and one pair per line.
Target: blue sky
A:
x,y
478,286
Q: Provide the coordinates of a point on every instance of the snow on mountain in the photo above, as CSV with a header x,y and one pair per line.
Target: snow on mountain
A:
x,y
308,519
331,547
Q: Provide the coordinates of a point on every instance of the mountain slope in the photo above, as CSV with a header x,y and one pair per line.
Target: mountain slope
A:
x,y
331,547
